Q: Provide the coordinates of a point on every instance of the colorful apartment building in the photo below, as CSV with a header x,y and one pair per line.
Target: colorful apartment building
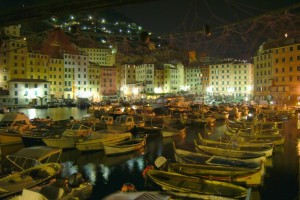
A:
x,y
277,72
231,78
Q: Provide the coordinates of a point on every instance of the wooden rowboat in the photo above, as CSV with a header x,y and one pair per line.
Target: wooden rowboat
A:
x,y
189,186
99,139
276,139
229,152
124,146
189,157
236,175
251,147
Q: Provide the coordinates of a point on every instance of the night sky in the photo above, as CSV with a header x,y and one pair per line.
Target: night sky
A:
x,y
237,27
172,15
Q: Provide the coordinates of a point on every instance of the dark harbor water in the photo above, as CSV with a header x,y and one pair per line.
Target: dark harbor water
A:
x,y
108,174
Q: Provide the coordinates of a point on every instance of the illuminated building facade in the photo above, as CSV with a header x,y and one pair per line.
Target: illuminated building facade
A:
x,y
75,74
108,81
158,80
101,56
56,77
204,78
145,74
37,66
231,78
15,52
28,91
173,77
193,79
126,76
94,71
277,72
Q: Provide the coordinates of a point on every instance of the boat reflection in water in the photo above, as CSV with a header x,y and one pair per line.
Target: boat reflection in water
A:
x,y
90,163
108,174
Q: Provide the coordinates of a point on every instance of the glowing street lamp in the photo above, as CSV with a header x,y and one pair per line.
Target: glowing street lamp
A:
x,y
157,90
209,89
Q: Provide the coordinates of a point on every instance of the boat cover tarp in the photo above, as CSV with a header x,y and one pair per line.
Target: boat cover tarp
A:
x,y
35,152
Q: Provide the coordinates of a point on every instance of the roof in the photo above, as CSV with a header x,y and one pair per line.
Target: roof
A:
x,y
13,116
36,152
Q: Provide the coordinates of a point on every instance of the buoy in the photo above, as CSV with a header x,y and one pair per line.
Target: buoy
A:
x,y
128,187
149,167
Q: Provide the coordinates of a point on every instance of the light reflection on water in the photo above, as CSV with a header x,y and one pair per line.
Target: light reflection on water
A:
x,y
90,172
61,113
108,174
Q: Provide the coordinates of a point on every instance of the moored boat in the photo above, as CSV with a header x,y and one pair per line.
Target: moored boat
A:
x,y
72,187
189,157
171,131
189,186
16,182
98,139
276,139
69,137
35,136
122,124
124,146
32,156
237,175
251,131
235,145
229,152
12,125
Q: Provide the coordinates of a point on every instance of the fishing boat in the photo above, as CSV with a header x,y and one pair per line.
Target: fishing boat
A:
x,y
14,183
124,146
237,175
195,187
255,147
100,138
170,131
252,131
189,157
35,136
31,156
69,137
72,187
276,139
147,130
122,124
229,152
200,119
236,141
12,125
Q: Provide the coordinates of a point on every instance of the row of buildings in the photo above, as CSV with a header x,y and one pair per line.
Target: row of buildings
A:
x,y
60,68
